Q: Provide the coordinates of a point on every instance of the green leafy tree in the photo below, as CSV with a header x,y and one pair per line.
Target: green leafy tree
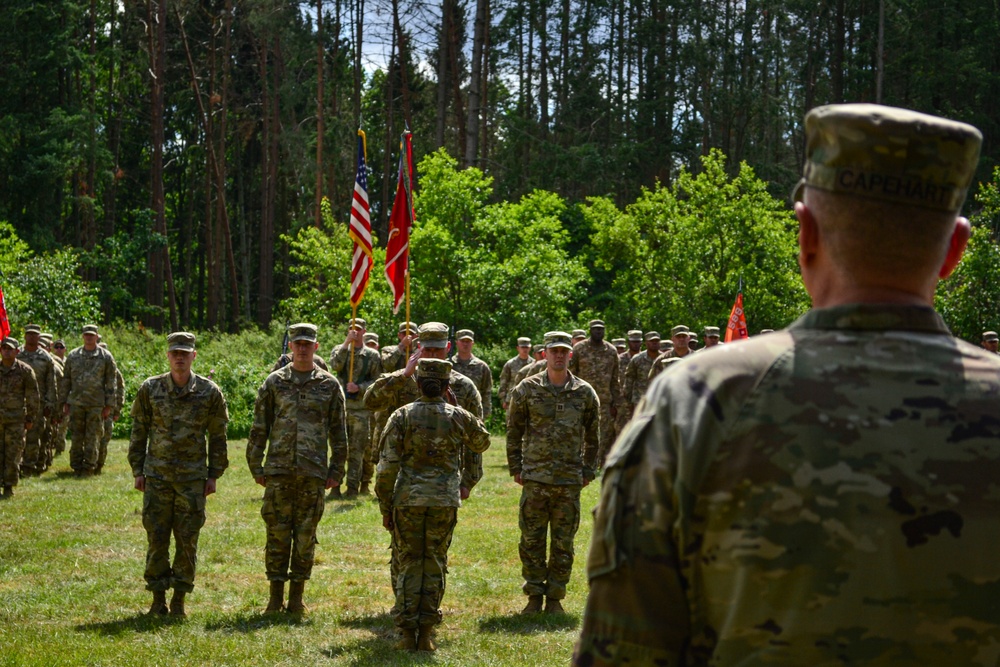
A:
x,y
679,253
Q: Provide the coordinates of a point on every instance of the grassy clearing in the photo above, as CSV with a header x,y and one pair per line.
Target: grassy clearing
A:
x,y
72,593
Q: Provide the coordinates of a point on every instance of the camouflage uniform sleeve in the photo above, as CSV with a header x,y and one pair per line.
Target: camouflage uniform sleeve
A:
x,y
374,371
263,418
32,399
505,378
119,392
616,384
218,448
630,373
339,359
632,553
517,422
50,398
388,465
66,384
142,422
110,382
337,435
487,393
379,394
477,438
591,436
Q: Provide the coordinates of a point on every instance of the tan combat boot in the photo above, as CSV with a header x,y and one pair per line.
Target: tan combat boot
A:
x,y
276,602
295,590
534,605
159,606
553,606
426,640
407,640
177,604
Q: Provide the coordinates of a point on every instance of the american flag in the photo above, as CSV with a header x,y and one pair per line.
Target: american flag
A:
x,y
360,228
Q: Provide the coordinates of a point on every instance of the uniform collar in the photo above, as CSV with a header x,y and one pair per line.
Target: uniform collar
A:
x,y
874,317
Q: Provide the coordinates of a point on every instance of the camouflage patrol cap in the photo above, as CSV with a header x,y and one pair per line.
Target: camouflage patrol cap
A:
x,y
679,329
181,341
579,333
302,331
433,334
10,342
408,327
369,337
990,336
462,334
618,342
524,342
652,335
666,344
103,345
634,334
558,339
764,331
89,329
47,337
32,328
357,323
434,369
537,348
596,324
711,332
895,155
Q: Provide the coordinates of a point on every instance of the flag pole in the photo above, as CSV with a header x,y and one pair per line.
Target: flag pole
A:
x,y
350,364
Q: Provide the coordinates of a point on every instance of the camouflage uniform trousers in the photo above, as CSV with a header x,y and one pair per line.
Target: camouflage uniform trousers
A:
x,y
102,449
86,428
359,438
33,458
624,415
293,506
178,509
59,436
49,441
371,456
548,509
422,536
11,448
607,432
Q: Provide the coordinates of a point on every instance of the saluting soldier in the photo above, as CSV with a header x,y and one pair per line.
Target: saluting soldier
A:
x,y
510,369
20,405
418,488
297,447
87,395
553,433
34,459
177,451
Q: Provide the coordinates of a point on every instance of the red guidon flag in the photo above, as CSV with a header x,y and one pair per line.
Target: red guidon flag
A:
x,y
4,323
360,228
737,326
397,249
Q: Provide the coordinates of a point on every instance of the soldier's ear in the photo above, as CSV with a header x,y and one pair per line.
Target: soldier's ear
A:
x,y
194,354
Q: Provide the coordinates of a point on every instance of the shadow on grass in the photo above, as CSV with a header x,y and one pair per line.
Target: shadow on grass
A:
x,y
378,623
342,506
530,624
252,621
141,622
376,652
61,476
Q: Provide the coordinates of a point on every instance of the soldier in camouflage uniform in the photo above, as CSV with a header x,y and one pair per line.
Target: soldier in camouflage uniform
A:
x,y
116,414
371,340
418,488
595,361
58,423
991,341
300,410
534,368
620,345
20,406
474,368
88,389
367,367
511,368
177,451
286,359
34,459
578,336
394,357
637,374
394,390
711,335
680,335
825,494
634,342
553,432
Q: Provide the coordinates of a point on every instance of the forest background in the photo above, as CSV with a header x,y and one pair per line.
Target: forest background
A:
x,y
163,164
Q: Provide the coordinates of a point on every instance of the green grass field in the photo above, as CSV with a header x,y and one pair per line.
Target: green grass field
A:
x,y
72,593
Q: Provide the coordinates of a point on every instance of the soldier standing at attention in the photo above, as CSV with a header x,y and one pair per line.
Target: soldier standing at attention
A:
x,y
511,368
637,373
711,337
535,367
53,423
109,423
634,343
299,409
595,361
175,467
679,337
578,335
991,341
59,423
620,345
552,439
367,368
474,368
825,494
19,408
371,340
87,395
418,488
34,459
